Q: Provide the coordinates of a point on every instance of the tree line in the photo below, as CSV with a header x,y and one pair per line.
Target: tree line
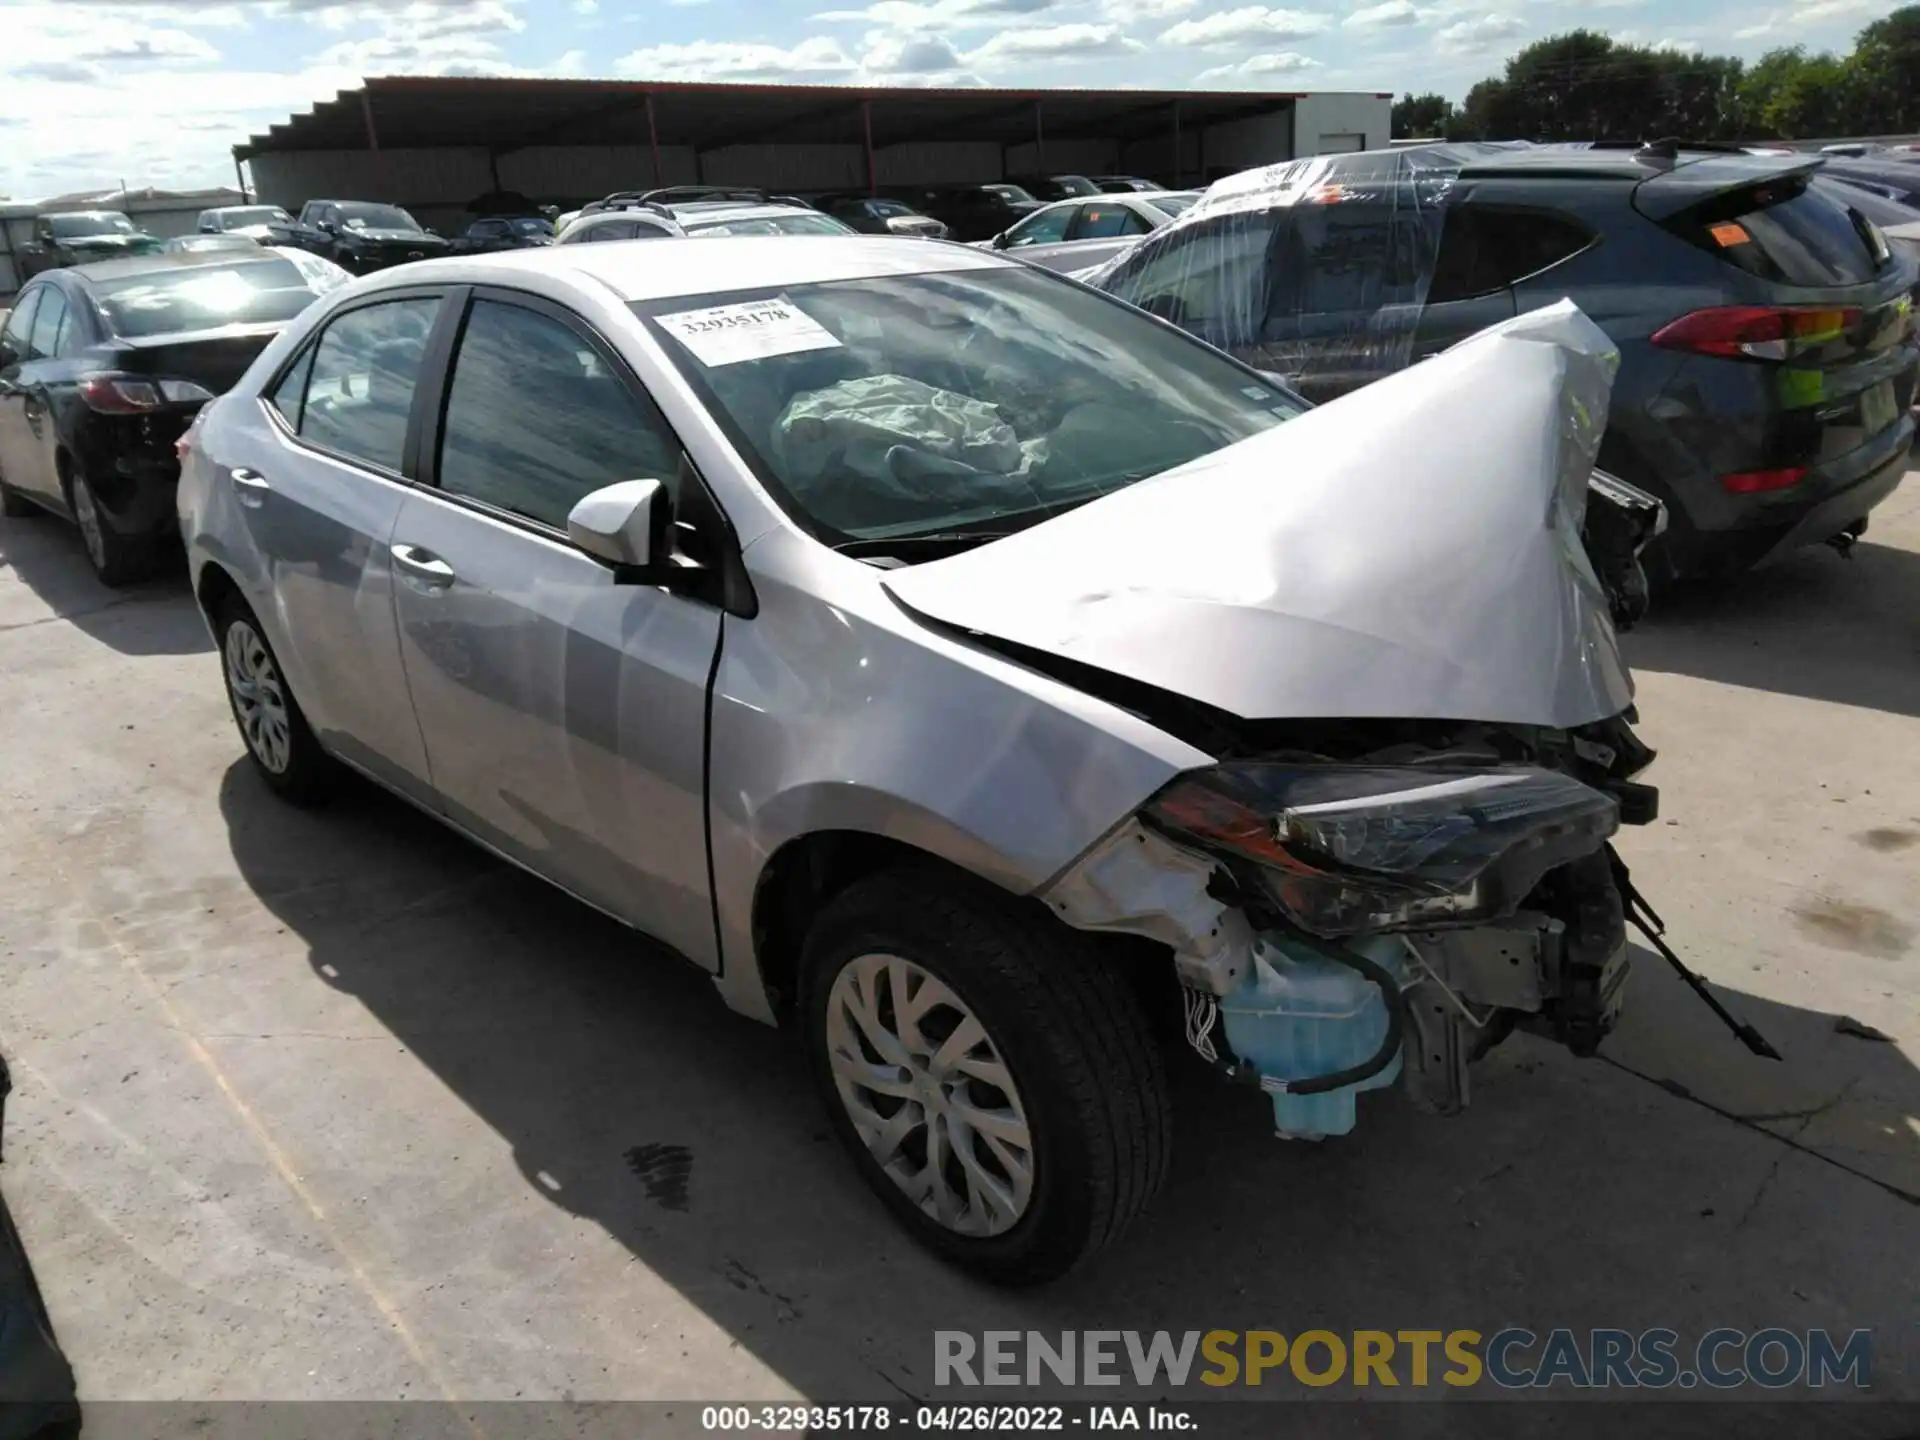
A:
x,y
1585,86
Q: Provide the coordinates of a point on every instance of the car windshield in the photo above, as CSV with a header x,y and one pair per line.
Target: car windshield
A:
x,y
244,216
886,208
74,227
798,223
1172,204
531,226
202,297
958,405
1011,193
377,217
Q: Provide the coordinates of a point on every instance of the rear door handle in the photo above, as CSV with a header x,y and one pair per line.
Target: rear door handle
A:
x,y
421,569
251,486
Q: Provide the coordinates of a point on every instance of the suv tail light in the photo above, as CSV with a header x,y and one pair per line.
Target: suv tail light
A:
x,y
126,395
1758,332
1760,482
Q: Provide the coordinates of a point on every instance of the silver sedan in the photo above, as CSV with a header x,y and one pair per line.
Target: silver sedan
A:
x,y
961,667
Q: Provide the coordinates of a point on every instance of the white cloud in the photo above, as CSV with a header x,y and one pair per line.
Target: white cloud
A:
x,y
816,60
903,54
1246,27
586,7
1056,42
1258,67
945,14
1470,36
1133,12
1392,12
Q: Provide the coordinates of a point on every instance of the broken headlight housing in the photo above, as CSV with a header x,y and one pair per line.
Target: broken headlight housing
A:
x,y
1350,849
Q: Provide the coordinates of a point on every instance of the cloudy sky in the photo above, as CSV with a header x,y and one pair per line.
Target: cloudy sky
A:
x,y
156,92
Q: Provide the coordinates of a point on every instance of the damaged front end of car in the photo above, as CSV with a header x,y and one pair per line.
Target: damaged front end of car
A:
x,y
1387,625
1344,916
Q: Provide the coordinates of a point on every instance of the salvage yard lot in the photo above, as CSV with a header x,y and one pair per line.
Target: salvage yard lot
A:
x,y
333,1105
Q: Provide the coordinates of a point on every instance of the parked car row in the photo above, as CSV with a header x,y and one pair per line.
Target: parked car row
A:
x,y
1764,320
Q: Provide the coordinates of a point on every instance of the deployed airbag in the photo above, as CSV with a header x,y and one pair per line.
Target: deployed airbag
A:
x,y
875,450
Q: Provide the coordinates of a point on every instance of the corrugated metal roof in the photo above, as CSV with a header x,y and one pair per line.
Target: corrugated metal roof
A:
x,y
503,115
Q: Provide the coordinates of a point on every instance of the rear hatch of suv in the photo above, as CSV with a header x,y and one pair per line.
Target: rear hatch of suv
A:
x,y
1798,378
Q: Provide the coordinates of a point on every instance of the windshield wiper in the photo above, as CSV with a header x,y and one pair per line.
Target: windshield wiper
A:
x,y
935,540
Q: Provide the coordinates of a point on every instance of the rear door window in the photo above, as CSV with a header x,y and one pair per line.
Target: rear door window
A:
x,y
1484,249
1786,233
1108,222
365,368
46,325
1346,257
19,329
1046,228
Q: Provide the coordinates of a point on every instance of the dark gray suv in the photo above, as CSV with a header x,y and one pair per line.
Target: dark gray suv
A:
x,y
1765,328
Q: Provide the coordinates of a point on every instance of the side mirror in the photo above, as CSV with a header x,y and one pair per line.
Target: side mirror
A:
x,y
1000,241
627,526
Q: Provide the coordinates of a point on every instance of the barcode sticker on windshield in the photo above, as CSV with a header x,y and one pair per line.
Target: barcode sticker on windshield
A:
x,y
728,334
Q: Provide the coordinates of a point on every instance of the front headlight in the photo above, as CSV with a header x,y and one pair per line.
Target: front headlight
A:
x,y
1347,849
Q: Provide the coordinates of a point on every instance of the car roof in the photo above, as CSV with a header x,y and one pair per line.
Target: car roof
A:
x,y
175,260
653,271
734,210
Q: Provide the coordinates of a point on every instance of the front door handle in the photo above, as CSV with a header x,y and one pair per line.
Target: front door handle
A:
x,y
421,569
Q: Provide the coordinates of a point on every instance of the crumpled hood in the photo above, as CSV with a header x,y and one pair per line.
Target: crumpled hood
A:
x,y
1409,551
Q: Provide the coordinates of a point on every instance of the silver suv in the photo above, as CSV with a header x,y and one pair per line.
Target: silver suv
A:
x,y
963,668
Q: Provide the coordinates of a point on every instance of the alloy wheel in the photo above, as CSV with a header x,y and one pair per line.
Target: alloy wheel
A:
x,y
259,698
930,1095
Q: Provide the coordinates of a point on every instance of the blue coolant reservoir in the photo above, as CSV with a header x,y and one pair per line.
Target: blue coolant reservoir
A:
x,y
1295,1015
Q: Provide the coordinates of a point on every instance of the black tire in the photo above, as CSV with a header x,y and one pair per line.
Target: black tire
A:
x,y
118,559
1069,1030
309,775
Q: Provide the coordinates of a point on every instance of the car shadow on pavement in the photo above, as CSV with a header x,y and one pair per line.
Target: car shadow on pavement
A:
x,y
1676,1181
1846,631
48,558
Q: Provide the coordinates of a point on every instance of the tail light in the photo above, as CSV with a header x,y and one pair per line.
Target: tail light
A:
x,y
125,395
1759,482
1758,332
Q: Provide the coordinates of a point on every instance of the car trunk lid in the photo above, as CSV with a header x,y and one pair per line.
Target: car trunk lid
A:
x,y
215,359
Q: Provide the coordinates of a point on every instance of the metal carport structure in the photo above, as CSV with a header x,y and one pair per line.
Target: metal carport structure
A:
x,y
433,143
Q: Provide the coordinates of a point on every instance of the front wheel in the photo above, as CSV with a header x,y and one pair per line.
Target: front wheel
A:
x,y
279,741
989,1070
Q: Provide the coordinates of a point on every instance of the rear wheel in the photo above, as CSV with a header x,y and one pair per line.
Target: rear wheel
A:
x,y
279,741
989,1071
116,558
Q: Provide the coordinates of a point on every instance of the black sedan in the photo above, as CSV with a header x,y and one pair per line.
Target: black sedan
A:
x,y
102,369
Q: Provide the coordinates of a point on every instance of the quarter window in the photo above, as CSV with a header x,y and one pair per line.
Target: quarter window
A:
x,y
536,419
362,380
290,395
